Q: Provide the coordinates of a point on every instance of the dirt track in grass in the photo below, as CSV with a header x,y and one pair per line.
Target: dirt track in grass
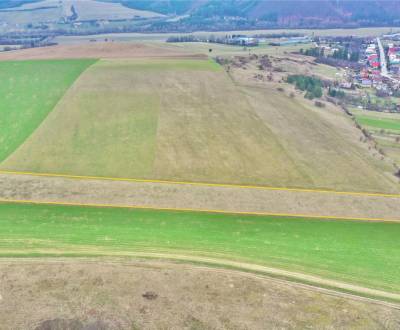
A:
x,y
181,196
110,292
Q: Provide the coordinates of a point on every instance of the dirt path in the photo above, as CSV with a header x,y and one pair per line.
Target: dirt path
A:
x,y
297,277
110,291
253,271
203,198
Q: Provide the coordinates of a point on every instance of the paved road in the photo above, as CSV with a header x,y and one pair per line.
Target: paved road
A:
x,y
384,71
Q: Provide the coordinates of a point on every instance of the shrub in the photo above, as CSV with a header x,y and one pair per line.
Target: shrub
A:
x,y
336,93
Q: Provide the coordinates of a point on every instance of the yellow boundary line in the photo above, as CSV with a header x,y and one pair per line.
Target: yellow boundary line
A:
x,y
202,184
142,207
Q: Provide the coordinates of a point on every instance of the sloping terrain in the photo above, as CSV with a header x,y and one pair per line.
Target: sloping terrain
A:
x,y
98,50
165,119
112,294
55,10
201,197
323,143
14,3
29,91
187,120
202,15
276,13
354,252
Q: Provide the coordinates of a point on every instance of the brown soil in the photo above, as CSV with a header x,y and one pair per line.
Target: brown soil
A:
x,y
83,294
96,50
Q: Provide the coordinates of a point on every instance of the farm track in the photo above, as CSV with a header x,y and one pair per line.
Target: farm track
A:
x,y
239,268
208,293
29,188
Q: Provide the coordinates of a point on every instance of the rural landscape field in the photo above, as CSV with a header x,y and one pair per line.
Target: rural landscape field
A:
x,y
182,181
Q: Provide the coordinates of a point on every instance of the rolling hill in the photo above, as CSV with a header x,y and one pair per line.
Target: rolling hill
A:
x,y
187,120
291,13
53,11
192,15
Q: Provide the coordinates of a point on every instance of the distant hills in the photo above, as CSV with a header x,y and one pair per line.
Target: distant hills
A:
x,y
192,15
277,13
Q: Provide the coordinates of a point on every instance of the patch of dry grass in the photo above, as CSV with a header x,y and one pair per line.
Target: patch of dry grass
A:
x,y
111,292
164,119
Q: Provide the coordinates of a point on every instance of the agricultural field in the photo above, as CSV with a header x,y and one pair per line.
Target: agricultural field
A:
x,y
101,50
157,160
162,37
25,17
379,122
385,129
30,90
53,11
355,252
230,50
160,128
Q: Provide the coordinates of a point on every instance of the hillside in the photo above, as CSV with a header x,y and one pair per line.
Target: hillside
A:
x,y
55,11
194,15
14,3
187,120
274,13
129,170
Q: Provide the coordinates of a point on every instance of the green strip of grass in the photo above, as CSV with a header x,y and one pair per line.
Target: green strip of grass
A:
x,y
29,91
389,124
365,253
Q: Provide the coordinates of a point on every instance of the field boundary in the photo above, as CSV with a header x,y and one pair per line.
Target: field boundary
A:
x,y
203,184
173,209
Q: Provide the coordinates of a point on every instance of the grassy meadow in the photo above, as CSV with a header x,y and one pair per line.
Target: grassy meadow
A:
x,y
162,37
174,119
384,127
159,119
379,123
231,50
29,91
365,253
323,144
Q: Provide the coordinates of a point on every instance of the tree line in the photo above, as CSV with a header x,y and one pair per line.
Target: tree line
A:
x,y
312,86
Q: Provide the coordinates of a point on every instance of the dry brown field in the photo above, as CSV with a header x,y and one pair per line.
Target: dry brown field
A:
x,y
96,50
140,294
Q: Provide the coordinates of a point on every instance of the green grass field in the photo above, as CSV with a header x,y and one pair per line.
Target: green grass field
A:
x,y
29,91
379,123
185,120
327,71
385,128
158,119
365,253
